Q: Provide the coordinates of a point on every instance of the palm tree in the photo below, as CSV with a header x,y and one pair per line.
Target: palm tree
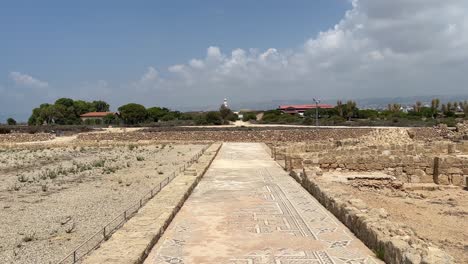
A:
x,y
350,108
339,105
417,107
435,106
444,108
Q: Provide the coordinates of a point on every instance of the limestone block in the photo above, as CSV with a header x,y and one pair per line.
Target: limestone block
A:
x,y
409,170
358,203
435,255
443,179
398,171
458,179
454,171
429,171
414,179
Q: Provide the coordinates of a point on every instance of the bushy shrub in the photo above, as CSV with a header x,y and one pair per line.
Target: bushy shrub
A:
x,y
11,121
4,130
214,118
249,116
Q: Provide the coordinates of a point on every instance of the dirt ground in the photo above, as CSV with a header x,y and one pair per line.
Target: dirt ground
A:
x,y
438,215
53,198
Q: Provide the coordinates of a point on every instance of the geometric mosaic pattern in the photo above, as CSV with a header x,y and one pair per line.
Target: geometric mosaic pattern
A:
x,y
247,210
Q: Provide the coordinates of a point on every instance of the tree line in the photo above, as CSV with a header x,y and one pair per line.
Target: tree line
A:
x,y
429,114
66,111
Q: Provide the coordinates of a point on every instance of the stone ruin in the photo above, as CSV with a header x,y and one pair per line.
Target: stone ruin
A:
x,y
440,162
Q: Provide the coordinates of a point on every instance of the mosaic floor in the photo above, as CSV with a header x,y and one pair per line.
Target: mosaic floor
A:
x,y
247,210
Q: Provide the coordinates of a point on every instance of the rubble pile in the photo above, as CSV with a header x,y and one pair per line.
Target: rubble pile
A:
x,y
462,130
377,184
22,137
386,136
289,135
425,134
459,133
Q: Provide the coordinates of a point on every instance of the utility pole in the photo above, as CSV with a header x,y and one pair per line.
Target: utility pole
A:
x,y
317,101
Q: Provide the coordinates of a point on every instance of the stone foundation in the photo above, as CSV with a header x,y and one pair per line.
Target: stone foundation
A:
x,y
395,243
409,163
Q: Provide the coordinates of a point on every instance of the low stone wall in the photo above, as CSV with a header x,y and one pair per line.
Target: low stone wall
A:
x,y
393,242
409,163
23,137
132,242
453,170
232,135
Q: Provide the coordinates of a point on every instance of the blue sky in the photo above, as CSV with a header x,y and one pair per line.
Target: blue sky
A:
x,y
190,54
74,41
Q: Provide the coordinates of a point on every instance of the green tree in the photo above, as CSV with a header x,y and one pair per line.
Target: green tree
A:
x,y
417,107
100,106
214,118
368,114
66,102
64,112
11,121
271,116
464,106
133,113
339,107
170,116
351,109
435,107
156,113
110,119
249,116
226,114
82,107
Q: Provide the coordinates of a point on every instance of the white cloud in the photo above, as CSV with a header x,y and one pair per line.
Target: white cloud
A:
x,y
150,75
196,64
379,48
27,80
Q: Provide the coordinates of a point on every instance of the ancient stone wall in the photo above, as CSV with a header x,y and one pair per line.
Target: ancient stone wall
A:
x,y
395,243
412,162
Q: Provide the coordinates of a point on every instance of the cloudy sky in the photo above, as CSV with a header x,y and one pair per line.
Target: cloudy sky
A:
x,y
193,53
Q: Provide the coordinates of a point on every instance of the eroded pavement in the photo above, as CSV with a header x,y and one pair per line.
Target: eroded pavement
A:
x,y
248,210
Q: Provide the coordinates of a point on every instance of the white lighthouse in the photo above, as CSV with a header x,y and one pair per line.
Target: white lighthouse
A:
x,y
225,103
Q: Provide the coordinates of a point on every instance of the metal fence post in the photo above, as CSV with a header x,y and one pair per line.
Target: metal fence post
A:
x,y
74,256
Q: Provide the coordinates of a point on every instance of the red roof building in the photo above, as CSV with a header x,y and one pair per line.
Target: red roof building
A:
x,y
300,109
96,114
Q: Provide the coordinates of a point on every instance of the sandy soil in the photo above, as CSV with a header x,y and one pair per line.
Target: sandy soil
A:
x,y
54,198
438,216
